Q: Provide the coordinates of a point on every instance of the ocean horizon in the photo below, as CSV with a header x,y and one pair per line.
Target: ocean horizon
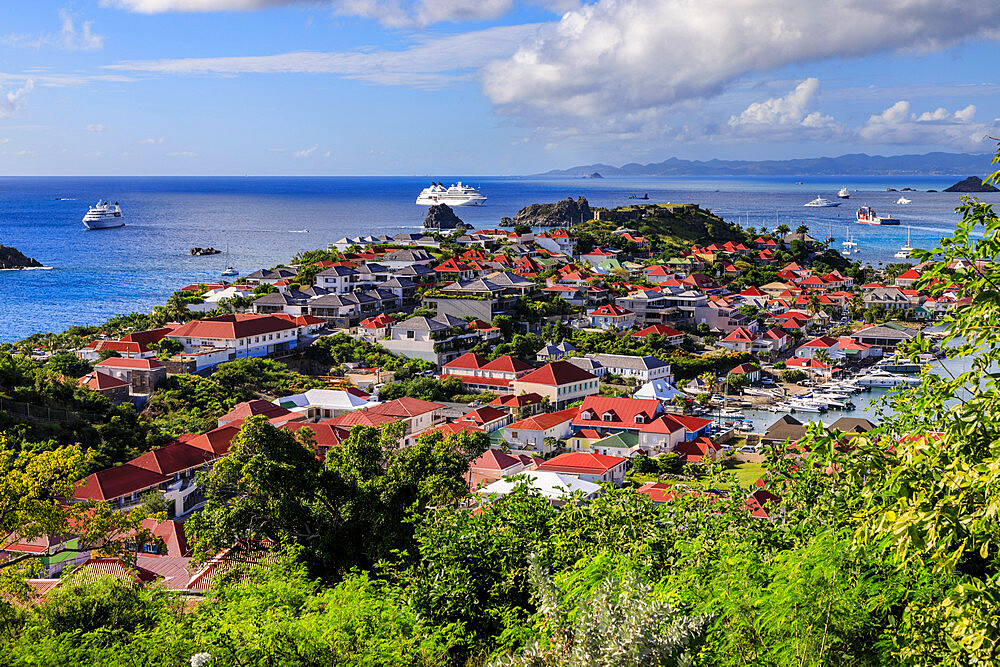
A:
x,y
260,221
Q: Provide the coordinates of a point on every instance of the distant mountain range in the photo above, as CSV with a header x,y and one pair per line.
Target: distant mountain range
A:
x,y
854,164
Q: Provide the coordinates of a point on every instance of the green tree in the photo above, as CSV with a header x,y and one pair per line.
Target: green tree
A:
x,y
68,364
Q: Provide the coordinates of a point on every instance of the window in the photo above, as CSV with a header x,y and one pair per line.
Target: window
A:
x,y
409,334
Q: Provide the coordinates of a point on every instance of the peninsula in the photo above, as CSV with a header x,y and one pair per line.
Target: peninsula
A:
x,y
12,258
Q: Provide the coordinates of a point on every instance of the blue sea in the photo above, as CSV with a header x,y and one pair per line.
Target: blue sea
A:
x,y
261,222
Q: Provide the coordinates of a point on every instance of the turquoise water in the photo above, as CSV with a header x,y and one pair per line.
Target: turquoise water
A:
x,y
97,274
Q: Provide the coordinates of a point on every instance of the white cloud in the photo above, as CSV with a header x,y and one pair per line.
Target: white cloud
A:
x,y
431,63
182,154
898,125
793,109
623,55
12,102
306,152
149,142
97,127
69,38
396,13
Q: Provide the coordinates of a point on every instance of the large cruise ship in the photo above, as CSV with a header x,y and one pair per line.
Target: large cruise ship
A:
x,y
104,215
457,195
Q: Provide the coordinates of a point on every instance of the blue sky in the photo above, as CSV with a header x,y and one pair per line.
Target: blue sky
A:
x,y
373,87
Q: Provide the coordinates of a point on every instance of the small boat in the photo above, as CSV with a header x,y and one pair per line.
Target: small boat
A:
x,y
866,216
903,201
895,365
230,271
843,193
850,246
806,405
905,251
820,202
644,197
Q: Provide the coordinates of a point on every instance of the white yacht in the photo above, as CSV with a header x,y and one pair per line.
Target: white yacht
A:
x,y
104,215
880,378
820,202
843,193
905,251
457,195
230,271
903,200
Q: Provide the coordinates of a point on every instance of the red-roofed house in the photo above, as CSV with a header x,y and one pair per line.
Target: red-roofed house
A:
x,y
610,316
487,418
106,385
699,449
560,381
670,335
122,486
492,465
588,467
418,416
143,375
477,373
528,404
607,414
531,433
213,340
276,414
907,279
739,340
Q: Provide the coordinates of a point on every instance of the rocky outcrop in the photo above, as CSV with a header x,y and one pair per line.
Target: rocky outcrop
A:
x,y
440,216
12,258
972,184
561,213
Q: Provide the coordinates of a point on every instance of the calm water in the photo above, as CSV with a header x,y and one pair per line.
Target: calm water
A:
x,y
264,221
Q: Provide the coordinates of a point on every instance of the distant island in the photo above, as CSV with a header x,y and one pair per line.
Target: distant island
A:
x,y
12,258
972,184
565,212
855,164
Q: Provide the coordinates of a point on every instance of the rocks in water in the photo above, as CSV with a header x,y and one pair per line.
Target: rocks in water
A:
x,y
932,191
565,212
205,251
12,258
972,184
440,216
595,175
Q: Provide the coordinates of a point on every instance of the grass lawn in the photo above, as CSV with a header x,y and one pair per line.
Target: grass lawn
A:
x,y
746,473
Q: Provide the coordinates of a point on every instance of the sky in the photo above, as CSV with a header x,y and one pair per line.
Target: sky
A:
x,y
484,87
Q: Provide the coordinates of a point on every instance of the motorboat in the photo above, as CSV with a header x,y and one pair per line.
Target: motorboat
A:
x,y
903,201
806,405
866,216
894,365
820,202
880,378
104,215
230,271
843,193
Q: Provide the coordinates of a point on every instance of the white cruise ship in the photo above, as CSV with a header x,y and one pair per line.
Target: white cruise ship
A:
x,y
843,193
104,215
457,195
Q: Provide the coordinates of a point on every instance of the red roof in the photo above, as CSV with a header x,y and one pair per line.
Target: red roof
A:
x,y
452,428
483,415
362,417
119,362
324,434
507,364
557,373
231,327
119,481
611,309
216,441
98,381
519,401
173,458
581,462
661,329
697,449
405,407
257,407
494,459
741,335
451,266
545,420
621,412
467,360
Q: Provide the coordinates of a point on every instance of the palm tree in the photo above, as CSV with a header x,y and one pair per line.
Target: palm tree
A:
x,y
802,229
782,229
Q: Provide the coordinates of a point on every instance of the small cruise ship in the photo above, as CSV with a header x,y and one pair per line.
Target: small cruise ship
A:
x,y
843,193
820,202
867,216
458,194
104,215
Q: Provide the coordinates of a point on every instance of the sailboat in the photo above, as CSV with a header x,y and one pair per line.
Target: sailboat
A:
x,y
230,270
905,251
849,245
